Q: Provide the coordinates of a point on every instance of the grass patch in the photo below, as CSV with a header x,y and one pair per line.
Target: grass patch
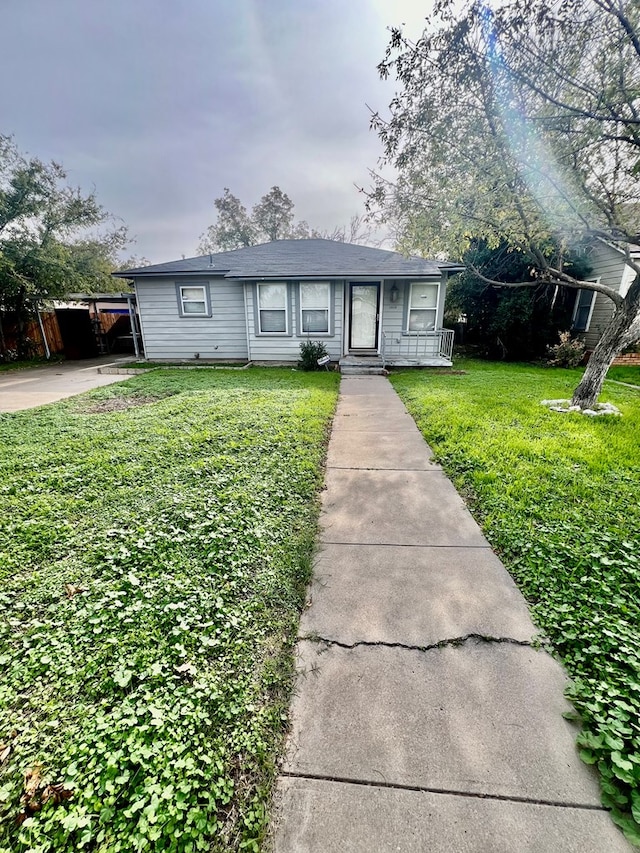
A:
x,y
629,374
148,365
6,366
155,544
557,497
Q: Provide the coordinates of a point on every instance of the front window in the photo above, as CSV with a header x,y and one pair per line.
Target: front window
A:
x,y
423,304
272,308
193,301
582,310
314,307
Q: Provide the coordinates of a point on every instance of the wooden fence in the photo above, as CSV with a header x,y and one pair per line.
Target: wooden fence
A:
x,y
51,330
34,335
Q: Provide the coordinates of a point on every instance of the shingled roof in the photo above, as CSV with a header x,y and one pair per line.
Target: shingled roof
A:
x,y
299,259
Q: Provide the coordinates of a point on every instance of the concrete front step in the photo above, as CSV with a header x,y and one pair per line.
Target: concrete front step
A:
x,y
361,370
351,365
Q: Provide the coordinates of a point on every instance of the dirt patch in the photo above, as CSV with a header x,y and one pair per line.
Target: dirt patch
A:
x,y
119,404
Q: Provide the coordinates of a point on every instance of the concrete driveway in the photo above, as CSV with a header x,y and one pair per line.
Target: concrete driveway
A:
x,y
27,389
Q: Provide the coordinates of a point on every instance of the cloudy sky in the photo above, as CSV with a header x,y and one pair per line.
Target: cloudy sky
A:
x,y
160,104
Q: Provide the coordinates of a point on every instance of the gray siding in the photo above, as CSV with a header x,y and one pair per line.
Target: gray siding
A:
x,y
394,313
287,347
608,265
167,335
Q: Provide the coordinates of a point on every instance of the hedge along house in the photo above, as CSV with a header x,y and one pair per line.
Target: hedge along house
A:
x,y
370,307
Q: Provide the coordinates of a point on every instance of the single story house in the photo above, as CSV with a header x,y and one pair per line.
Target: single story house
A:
x,y
370,307
592,311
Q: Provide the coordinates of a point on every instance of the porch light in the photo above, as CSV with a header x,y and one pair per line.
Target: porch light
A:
x,y
393,293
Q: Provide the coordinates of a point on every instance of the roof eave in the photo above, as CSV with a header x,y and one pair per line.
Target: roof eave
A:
x,y
154,274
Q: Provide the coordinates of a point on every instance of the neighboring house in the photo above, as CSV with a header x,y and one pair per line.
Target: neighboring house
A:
x,y
592,311
370,307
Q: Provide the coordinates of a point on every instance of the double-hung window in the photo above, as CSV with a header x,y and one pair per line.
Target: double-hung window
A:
x,y
315,307
582,310
423,304
193,300
273,309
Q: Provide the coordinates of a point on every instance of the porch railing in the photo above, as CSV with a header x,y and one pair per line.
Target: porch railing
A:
x,y
417,346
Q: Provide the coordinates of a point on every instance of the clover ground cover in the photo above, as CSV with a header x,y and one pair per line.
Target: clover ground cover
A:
x,y
558,498
155,543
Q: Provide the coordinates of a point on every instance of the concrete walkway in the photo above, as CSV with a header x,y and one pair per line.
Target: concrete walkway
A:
x,y
423,719
35,386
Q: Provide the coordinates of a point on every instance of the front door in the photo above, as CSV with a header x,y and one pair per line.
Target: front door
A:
x,y
363,316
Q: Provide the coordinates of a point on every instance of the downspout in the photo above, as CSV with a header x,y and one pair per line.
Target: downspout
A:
x,y
44,337
246,320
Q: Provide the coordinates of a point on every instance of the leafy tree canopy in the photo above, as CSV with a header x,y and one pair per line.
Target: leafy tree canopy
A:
x,y
520,125
47,247
271,219
47,243
504,322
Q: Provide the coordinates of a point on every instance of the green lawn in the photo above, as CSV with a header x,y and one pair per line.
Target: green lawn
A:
x,y
625,374
558,498
155,543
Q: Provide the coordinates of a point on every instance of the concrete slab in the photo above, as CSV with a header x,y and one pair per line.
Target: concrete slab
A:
x,y
476,718
395,508
366,385
375,419
317,816
380,450
370,402
27,389
415,596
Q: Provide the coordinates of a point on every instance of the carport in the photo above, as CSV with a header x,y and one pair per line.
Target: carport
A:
x,y
83,331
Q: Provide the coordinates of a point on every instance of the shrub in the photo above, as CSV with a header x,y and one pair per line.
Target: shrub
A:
x,y
310,352
568,353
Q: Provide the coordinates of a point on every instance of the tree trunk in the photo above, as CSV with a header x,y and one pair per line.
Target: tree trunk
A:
x,y
614,338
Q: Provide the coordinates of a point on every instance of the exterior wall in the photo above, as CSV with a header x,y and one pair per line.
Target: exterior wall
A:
x,y
608,265
167,335
280,347
393,312
394,318
629,359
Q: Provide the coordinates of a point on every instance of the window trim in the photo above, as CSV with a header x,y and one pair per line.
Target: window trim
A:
x,y
287,310
407,306
330,310
576,305
204,285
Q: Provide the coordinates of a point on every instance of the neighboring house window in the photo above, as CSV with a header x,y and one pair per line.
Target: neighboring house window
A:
x,y
583,310
193,300
315,307
272,308
423,305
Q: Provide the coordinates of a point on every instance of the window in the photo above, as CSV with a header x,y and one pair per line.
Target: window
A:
x,y
314,307
272,309
583,310
423,304
193,300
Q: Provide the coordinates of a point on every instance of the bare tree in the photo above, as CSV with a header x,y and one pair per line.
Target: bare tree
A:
x,y
521,125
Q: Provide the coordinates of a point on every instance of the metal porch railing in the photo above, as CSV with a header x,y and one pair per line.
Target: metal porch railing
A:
x,y
416,346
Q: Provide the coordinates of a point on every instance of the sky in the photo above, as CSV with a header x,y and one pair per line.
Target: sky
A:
x,y
157,105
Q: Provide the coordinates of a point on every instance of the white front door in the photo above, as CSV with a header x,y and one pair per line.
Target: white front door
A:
x,y
363,315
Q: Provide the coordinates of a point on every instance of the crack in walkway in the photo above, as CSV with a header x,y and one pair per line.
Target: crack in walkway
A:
x,y
399,786
441,644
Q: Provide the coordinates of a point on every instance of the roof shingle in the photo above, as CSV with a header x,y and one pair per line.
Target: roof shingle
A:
x,y
299,259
